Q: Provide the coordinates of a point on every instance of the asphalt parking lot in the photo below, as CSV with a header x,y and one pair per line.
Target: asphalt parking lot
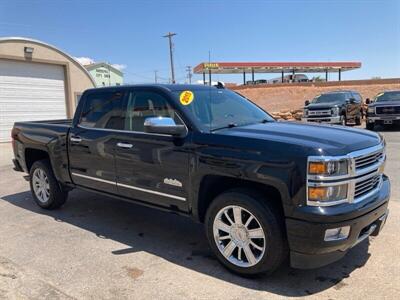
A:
x,y
99,248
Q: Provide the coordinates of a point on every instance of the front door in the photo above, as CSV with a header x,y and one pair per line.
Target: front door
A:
x,y
92,142
150,167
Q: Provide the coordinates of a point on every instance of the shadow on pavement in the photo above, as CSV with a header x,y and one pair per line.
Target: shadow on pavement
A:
x,y
183,242
387,128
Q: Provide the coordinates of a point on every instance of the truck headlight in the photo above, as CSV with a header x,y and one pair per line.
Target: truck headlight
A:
x,y
328,168
335,111
371,110
327,195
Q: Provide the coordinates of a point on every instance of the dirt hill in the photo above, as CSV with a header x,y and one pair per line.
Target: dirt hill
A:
x,y
292,96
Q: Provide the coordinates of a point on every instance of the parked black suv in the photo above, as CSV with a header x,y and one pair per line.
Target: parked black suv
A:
x,y
384,109
340,107
265,190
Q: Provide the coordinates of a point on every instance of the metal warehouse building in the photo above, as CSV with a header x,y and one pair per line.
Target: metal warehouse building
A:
x,y
37,82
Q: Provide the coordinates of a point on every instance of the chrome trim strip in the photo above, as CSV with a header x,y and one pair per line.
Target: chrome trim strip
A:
x,y
121,131
129,186
151,191
93,178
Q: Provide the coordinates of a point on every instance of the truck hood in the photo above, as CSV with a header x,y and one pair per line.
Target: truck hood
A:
x,y
385,103
321,139
316,106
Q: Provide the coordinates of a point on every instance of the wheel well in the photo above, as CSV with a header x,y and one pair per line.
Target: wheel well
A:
x,y
211,186
32,155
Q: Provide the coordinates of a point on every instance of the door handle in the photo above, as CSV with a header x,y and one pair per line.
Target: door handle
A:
x,y
124,145
75,139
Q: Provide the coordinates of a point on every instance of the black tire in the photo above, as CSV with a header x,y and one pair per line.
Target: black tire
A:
x,y
271,221
343,120
56,197
369,126
358,120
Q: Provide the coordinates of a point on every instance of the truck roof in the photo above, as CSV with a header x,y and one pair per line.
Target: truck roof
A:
x,y
169,87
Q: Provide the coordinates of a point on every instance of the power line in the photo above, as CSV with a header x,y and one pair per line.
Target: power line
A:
x,y
169,35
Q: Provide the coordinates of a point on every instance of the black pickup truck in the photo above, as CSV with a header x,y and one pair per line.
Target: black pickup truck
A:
x,y
384,110
265,190
338,107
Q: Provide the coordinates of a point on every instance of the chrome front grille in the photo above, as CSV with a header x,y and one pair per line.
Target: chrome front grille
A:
x,y
387,110
364,178
368,160
315,113
364,186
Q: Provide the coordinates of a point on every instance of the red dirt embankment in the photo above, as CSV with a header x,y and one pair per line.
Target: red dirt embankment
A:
x,y
276,97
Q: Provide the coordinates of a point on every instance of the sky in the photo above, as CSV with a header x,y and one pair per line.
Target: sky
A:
x,y
129,33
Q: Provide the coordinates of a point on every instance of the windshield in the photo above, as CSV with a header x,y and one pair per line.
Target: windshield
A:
x,y
388,96
327,98
212,109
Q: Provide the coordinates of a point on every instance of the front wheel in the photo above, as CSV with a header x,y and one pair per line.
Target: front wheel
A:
x,y
369,126
358,120
44,186
246,233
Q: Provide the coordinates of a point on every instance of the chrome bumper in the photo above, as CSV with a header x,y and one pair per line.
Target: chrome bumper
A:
x,y
382,118
332,120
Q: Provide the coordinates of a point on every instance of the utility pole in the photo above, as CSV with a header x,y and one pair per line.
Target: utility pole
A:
x,y
189,70
169,35
155,76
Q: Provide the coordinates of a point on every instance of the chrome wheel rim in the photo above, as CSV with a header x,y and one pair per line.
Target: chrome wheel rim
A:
x,y
41,186
239,236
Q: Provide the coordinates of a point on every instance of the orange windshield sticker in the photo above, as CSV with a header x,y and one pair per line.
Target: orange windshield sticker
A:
x,y
186,97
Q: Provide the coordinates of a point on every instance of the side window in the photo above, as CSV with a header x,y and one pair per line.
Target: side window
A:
x,y
357,97
103,110
142,105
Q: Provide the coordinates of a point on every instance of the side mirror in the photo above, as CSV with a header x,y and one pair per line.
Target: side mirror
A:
x,y
367,101
307,102
164,125
352,100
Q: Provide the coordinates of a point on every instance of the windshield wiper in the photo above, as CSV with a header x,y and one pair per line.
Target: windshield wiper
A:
x,y
230,125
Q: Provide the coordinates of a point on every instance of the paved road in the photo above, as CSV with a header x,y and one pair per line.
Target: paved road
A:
x,y
97,247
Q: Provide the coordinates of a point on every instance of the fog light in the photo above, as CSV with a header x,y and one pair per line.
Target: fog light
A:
x,y
336,234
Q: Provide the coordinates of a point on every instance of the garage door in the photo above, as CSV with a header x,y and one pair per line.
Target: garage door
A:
x,y
30,92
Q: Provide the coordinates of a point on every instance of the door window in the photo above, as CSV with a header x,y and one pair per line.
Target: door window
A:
x,y
142,105
103,110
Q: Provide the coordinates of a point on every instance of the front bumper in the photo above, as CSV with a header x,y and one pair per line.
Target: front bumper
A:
x,y
383,119
332,120
306,239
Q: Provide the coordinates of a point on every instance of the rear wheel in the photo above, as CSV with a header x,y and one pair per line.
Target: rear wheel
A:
x,y
44,186
246,233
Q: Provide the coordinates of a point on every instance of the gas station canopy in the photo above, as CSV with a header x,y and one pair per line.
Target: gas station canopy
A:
x,y
274,67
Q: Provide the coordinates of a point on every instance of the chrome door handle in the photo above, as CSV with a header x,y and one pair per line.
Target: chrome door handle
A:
x,y
124,145
75,139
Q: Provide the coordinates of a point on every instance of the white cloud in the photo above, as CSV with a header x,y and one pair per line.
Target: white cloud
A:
x,y
85,60
119,66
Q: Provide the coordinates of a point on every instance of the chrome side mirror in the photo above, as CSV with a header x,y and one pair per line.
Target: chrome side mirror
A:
x,y
164,125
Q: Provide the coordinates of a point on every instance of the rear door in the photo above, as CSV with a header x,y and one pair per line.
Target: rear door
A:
x,y
92,141
150,167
